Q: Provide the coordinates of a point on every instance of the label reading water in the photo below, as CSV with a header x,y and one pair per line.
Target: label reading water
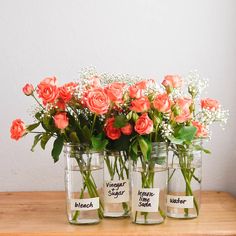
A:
x,y
116,191
86,204
180,201
145,199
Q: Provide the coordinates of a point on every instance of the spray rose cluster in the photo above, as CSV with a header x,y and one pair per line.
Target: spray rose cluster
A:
x,y
118,112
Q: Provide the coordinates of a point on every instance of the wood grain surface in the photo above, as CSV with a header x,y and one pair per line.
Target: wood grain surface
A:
x,y
43,213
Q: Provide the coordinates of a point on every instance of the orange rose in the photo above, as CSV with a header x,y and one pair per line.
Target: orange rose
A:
x,y
210,104
137,90
162,103
61,120
127,130
97,101
94,82
61,104
172,81
112,132
144,125
17,129
47,90
66,91
115,91
28,89
140,105
201,129
183,110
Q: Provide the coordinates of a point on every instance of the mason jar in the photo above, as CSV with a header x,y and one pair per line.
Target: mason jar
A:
x,y
184,181
149,185
83,184
116,184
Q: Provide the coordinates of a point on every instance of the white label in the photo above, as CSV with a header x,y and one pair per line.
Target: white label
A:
x,y
180,201
86,204
145,199
116,191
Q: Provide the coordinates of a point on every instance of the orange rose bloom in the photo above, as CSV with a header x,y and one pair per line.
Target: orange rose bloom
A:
x,y
47,90
210,104
17,129
140,104
97,101
112,132
201,129
183,105
28,89
115,91
143,125
162,103
66,91
172,81
61,120
127,130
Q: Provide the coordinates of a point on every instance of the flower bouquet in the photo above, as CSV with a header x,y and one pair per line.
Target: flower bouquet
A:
x,y
72,114
189,127
105,120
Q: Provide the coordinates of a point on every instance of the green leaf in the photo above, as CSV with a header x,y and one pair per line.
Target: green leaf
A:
x,y
175,140
38,115
57,148
200,148
186,133
120,144
145,146
48,123
99,143
120,121
44,140
86,132
74,138
206,151
134,150
36,140
135,116
32,126
129,115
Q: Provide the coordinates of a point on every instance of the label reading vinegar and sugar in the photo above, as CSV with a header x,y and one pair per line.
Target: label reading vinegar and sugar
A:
x,y
116,191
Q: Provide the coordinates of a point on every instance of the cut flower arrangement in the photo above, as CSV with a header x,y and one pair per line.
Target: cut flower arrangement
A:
x,y
106,112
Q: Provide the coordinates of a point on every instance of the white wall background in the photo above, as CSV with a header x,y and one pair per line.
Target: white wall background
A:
x,y
149,37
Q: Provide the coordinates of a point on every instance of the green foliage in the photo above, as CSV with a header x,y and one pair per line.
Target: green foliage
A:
x,y
174,140
74,138
57,148
32,126
120,121
135,116
36,140
120,144
145,146
44,139
200,148
186,133
133,150
99,142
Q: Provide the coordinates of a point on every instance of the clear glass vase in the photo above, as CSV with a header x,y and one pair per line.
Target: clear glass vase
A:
x,y
84,184
149,184
116,184
184,181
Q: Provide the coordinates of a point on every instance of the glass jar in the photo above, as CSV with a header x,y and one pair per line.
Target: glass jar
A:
x,y
148,185
184,181
116,184
84,184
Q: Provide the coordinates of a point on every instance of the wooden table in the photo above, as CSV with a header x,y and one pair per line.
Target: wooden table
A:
x,y
43,213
